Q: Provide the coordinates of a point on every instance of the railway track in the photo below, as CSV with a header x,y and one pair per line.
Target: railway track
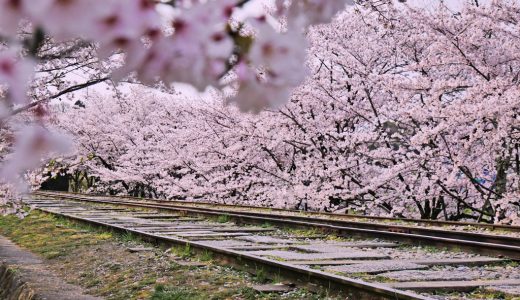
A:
x,y
327,215
477,242
352,266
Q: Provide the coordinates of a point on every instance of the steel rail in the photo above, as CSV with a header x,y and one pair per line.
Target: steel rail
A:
x,y
311,213
302,276
501,246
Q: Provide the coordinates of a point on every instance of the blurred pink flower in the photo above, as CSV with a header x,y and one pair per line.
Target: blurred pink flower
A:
x,y
15,74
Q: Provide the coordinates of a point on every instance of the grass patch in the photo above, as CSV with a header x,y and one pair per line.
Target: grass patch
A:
x,y
261,276
266,225
183,252
514,264
433,249
163,292
49,236
223,219
382,279
481,293
129,237
304,232
206,256
490,294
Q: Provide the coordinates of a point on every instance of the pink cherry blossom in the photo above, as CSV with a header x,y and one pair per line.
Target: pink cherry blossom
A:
x,y
280,57
62,19
15,74
11,13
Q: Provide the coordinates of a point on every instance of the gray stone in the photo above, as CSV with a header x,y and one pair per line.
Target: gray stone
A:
x,y
291,255
453,274
226,243
272,288
461,286
170,228
376,267
257,247
430,275
207,235
326,262
154,216
242,229
340,247
191,263
267,240
427,262
470,261
193,232
140,249
508,289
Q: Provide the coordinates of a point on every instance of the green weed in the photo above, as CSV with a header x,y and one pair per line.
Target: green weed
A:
x,y
260,275
206,255
223,219
163,292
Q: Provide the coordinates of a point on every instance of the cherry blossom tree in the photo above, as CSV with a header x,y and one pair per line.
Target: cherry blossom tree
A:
x,y
431,105
407,113
46,45
397,111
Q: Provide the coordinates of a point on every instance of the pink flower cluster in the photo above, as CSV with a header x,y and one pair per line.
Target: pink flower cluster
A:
x,y
201,50
195,42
